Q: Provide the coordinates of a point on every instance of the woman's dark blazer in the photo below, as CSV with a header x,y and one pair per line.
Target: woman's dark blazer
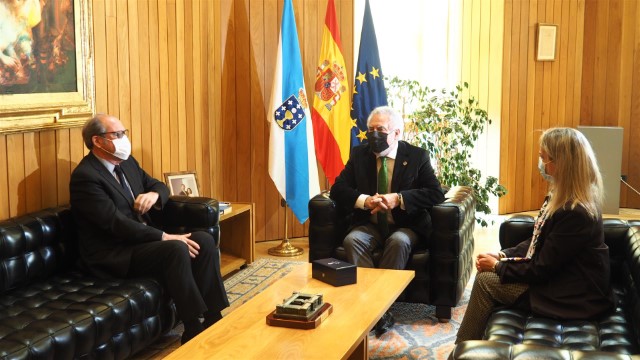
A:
x,y
568,275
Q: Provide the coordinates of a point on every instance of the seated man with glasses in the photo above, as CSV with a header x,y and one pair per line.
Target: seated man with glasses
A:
x,y
390,186
111,196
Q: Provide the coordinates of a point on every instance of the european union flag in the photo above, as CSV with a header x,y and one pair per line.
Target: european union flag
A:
x,y
368,86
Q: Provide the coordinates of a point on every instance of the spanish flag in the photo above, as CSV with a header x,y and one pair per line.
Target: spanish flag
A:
x,y
331,120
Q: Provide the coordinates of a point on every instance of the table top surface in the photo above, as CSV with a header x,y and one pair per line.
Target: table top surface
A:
x,y
244,334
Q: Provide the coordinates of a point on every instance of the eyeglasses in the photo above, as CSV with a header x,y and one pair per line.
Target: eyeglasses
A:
x,y
117,134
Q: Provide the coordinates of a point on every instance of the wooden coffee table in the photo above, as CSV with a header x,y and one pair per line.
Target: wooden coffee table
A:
x,y
244,334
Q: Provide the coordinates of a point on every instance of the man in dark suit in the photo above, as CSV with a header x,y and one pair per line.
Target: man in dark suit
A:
x,y
111,197
390,187
392,216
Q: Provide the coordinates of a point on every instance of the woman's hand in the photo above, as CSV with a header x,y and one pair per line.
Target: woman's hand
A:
x,y
487,261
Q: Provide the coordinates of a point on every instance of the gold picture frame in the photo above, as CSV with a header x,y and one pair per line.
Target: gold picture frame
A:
x,y
546,44
182,183
22,112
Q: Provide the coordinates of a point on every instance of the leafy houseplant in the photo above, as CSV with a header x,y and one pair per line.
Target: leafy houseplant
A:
x,y
446,124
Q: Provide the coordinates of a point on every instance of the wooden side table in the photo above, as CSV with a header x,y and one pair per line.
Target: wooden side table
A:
x,y
236,237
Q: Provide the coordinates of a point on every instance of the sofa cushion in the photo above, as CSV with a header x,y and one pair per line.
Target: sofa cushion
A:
x,y
72,315
480,349
36,246
611,333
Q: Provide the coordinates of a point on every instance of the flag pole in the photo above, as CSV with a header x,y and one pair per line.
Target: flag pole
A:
x,y
285,248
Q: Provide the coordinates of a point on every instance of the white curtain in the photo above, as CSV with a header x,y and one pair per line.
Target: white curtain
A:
x,y
417,39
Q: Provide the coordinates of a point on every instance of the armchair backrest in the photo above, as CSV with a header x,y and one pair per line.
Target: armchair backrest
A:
x,y
327,226
183,214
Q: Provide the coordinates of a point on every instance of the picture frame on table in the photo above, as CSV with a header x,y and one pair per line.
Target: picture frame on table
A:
x,y
183,183
47,65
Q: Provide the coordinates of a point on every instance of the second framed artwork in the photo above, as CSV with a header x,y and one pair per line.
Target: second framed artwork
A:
x,y
182,183
546,45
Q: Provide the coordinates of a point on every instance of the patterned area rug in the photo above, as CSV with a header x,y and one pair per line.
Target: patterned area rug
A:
x,y
417,334
254,278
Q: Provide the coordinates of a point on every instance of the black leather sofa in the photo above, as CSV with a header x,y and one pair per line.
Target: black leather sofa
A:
x,y
51,309
516,334
442,268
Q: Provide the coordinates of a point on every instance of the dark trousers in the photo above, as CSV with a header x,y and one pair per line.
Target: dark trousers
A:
x,y
195,285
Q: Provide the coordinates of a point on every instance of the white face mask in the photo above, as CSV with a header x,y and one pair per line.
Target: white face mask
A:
x,y
543,172
123,148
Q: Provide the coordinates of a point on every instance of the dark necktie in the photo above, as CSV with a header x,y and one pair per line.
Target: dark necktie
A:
x,y
129,193
123,183
383,183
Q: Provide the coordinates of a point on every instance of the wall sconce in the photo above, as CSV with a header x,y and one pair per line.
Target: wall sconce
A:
x,y
546,45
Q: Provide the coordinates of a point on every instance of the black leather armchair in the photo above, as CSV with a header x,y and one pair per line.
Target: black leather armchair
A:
x,y
517,334
442,269
49,308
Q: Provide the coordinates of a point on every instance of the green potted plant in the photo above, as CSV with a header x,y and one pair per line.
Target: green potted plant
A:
x,y
447,124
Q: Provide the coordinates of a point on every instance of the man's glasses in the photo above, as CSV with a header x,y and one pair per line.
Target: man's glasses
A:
x,y
117,134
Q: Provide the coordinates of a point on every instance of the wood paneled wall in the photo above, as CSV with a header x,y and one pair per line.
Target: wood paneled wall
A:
x,y
481,67
594,81
191,80
611,79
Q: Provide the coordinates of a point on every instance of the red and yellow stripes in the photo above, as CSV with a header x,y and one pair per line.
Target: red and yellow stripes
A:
x,y
331,120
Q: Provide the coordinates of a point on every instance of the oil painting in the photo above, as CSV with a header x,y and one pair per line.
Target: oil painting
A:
x,y
46,64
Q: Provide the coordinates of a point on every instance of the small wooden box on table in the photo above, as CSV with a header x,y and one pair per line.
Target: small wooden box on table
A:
x,y
236,237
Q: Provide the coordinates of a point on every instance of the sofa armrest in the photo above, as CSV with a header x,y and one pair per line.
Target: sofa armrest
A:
x,y
327,227
451,245
515,230
184,214
482,349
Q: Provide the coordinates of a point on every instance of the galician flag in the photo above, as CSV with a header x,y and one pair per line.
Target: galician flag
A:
x,y
368,86
292,160
331,120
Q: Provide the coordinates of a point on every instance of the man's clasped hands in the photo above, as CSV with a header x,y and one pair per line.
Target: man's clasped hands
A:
x,y
382,202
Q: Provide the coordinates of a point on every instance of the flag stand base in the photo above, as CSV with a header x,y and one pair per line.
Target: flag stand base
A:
x,y
285,248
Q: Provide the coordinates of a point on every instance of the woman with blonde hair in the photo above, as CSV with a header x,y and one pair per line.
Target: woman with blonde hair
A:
x,y
562,271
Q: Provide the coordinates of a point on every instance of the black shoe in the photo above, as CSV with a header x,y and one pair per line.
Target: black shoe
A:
x,y
190,331
384,324
211,318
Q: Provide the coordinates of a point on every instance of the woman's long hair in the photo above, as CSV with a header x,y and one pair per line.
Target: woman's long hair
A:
x,y
577,177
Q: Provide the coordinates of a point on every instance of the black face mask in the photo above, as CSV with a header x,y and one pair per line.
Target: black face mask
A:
x,y
377,141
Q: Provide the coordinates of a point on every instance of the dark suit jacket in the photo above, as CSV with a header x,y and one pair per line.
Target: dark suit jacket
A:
x,y
413,177
107,225
568,275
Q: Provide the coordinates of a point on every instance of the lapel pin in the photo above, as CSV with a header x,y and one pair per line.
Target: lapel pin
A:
x,y
404,163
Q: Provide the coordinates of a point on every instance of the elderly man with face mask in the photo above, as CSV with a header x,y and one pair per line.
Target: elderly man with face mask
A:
x,y
111,197
390,187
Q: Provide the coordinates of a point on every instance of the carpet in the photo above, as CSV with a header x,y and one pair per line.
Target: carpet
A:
x,y
417,334
254,278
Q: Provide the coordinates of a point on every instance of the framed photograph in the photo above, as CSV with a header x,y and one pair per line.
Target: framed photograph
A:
x,y
46,64
182,183
546,45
